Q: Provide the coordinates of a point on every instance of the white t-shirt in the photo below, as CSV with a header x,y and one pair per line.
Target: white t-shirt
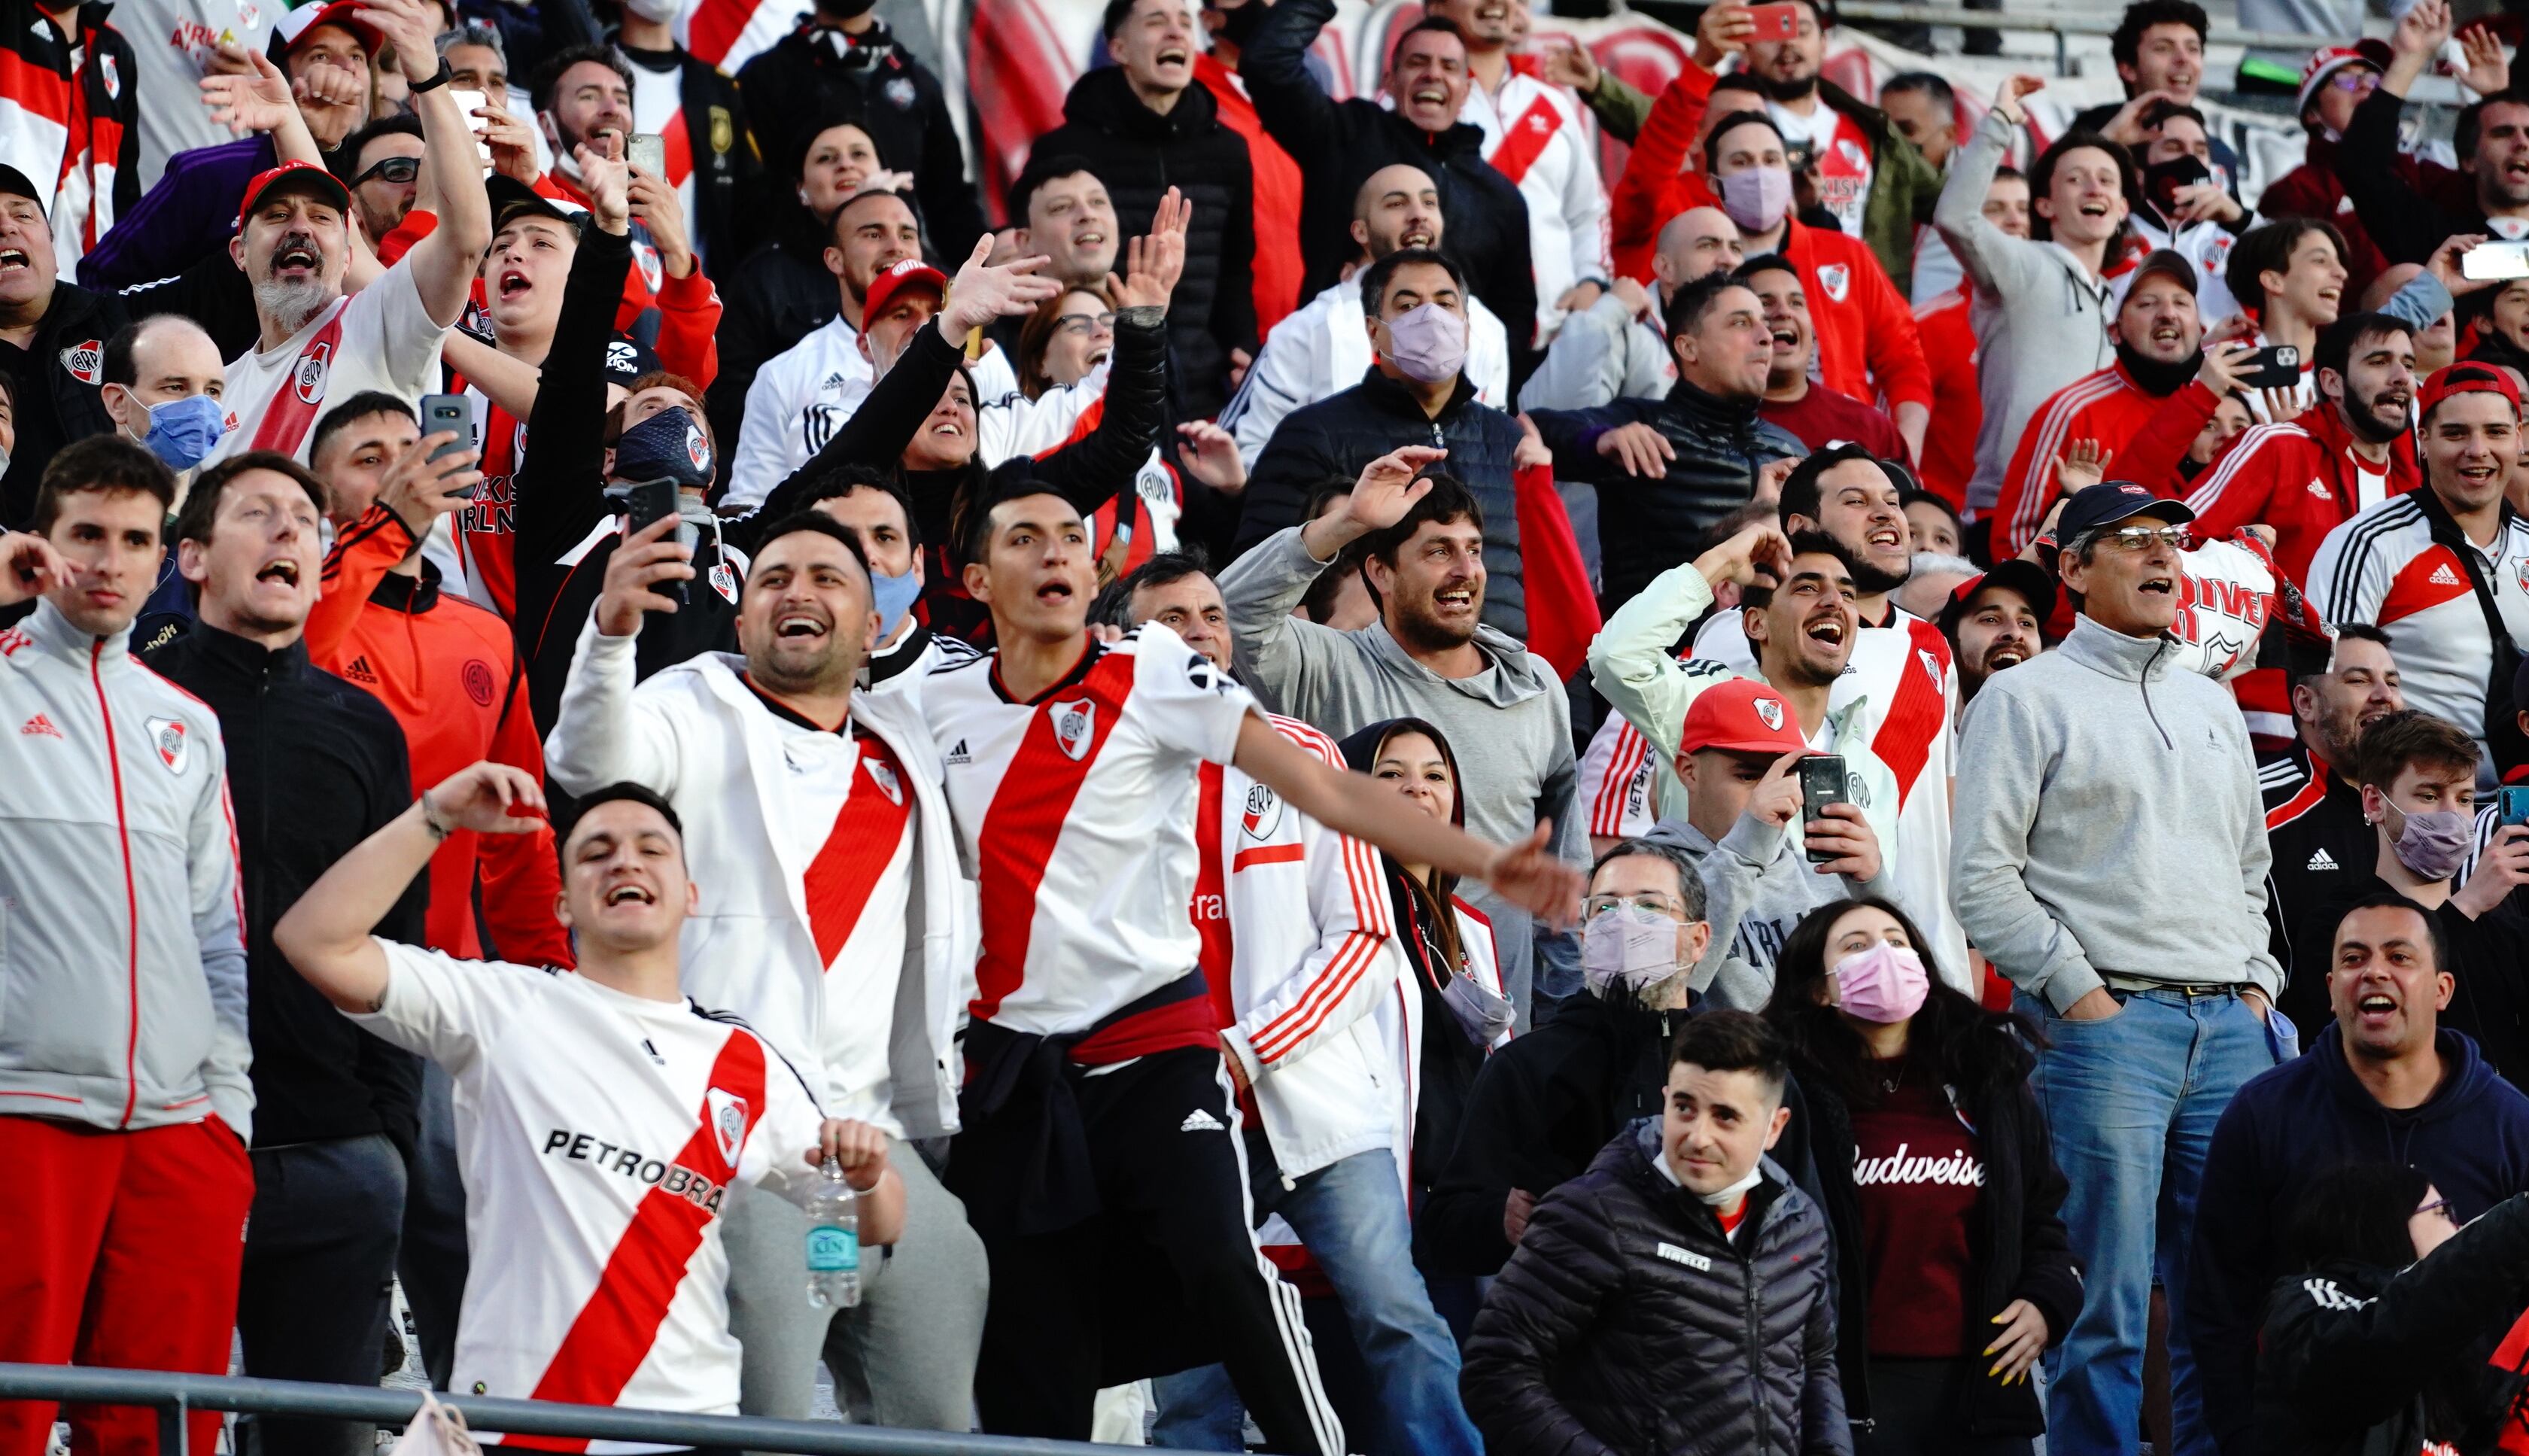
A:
x,y
1077,810
379,338
597,1133
171,43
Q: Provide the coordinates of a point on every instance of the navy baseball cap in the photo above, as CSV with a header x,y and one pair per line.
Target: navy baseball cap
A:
x,y
2111,501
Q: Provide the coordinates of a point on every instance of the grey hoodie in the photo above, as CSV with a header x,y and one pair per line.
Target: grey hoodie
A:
x,y
1510,726
2110,823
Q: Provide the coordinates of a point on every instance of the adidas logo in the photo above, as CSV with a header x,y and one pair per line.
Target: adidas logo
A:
x,y
2319,491
2322,860
957,755
2442,575
42,726
834,381
358,671
1200,1120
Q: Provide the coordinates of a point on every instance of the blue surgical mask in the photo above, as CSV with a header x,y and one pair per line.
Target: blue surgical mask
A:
x,y
892,597
669,444
182,431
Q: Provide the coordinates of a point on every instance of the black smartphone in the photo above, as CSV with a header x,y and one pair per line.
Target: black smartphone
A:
x,y
451,414
2511,805
1822,782
2275,367
646,503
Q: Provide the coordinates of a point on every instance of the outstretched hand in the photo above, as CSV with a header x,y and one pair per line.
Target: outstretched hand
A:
x,y
257,98
2007,97
1530,875
983,291
487,798
1156,260
2082,463
1390,485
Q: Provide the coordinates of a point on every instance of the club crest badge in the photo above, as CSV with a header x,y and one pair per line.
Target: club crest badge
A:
x,y
314,365
1264,812
86,360
727,1123
1836,279
1075,725
1770,711
173,746
885,780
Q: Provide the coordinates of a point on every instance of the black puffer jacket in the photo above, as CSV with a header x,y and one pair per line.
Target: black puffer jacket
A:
x,y
1628,1321
1329,441
1139,154
1338,145
1719,444
2016,1241
781,295
2360,1360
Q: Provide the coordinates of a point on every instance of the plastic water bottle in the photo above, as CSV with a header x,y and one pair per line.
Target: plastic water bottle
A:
x,y
833,1242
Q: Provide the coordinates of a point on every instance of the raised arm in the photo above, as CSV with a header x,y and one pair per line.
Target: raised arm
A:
x,y
559,490
1632,662
1984,251
1272,60
327,935
443,263
2405,224
604,734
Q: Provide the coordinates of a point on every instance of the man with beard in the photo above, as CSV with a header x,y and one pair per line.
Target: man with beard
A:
x,y
1431,655
316,765
294,246
2444,569
1534,135
2406,221
841,943
2314,818
2346,453
1997,621
1874,181
1816,415
1324,346
1682,462
1894,676
677,94
1338,144
842,61
381,163
1617,345
2146,408
803,394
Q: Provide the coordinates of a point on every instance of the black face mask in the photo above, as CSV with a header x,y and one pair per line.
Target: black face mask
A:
x,y
2162,181
2159,380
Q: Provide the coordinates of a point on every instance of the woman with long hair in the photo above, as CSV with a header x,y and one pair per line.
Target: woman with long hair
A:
x,y
1954,1270
2397,1330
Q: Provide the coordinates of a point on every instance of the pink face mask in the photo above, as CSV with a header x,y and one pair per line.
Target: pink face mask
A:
x,y
1884,983
1757,197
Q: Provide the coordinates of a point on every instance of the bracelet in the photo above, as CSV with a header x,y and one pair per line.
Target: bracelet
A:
x,y
430,818
442,77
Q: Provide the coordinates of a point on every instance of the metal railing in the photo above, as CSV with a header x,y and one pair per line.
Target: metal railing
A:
x,y
174,1396
2104,23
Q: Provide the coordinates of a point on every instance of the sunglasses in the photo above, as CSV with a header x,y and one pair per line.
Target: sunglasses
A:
x,y
398,171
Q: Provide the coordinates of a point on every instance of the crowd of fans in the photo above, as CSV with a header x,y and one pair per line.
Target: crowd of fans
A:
x,y
1863,789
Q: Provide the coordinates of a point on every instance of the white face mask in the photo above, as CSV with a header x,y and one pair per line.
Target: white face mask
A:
x,y
1629,944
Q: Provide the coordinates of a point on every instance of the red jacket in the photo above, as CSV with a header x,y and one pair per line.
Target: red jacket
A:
x,y
1654,187
1278,268
1947,332
2148,434
2298,477
2313,189
448,670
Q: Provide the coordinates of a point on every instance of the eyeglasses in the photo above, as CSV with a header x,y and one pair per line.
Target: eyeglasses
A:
x,y
395,170
2144,538
1649,900
1085,324
2438,1208
2354,78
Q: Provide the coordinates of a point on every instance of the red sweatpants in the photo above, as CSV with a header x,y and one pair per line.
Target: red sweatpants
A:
x,y
119,1249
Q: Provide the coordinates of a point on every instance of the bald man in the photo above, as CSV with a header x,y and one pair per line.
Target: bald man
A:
x,y
1324,348
1618,345
147,368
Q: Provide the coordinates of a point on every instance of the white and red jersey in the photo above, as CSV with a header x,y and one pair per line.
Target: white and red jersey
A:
x,y
1075,809
659,110
2383,567
381,338
1298,949
1903,671
2228,591
486,528
1618,781
1842,152
598,1133
1537,135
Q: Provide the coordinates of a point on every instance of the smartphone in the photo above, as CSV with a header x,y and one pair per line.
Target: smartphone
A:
x,y
1775,21
450,413
1822,782
467,103
648,151
2511,805
2275,367
645,502
2495,262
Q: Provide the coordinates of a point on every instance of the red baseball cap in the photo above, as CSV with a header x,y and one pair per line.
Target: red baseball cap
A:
x,y
305,174
895,278
1743,715
2466,377
293,25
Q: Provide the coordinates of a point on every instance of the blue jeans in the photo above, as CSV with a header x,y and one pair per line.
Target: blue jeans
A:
x,y
2131,1100
1350,1215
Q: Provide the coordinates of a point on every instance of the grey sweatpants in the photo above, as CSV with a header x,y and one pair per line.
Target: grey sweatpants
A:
x,y
905,1355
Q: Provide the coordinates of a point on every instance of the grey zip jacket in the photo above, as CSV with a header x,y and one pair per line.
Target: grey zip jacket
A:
x,y
2112,823
122,952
